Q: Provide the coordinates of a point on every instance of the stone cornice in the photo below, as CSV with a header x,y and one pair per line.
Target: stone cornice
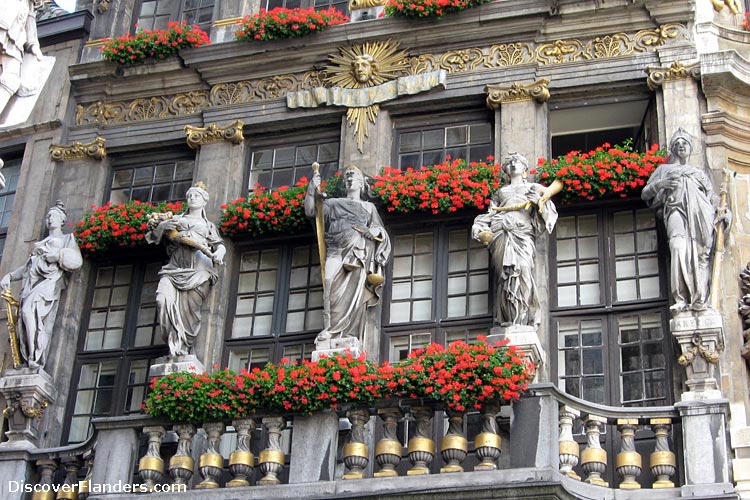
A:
x,y
79,151
502,94
658,75
199,136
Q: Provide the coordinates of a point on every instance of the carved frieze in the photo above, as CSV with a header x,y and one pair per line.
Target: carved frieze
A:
x,y
458,61
744,310
79,151
501,94
657,75
198,136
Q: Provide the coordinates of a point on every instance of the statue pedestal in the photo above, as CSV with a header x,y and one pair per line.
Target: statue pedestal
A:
x,y
167,364
328,348
700,336
27,393
526,340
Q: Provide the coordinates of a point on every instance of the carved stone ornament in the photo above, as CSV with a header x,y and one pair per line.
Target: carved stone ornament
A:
x,y
79,151
698,349
103,6
744,310
362,76
733,5
364,4
657,75
465,60
198,136
501,94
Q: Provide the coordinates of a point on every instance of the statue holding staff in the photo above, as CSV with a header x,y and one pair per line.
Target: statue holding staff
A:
x,y
518,212
356,248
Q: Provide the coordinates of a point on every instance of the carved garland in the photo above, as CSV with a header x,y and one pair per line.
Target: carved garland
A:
x,y
459,61
79,151
744,310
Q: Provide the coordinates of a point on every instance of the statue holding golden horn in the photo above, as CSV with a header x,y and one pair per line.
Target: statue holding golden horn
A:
x,y
354,248
518,212
11,308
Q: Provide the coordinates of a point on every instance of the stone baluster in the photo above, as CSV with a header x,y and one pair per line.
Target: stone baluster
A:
x,y
211,463
356,452
454,445
46,469
569,449
628,462
151,465
487,443
271,461
594,458
84,486
241,460
388,450
69,488
663,461
421,447
181,465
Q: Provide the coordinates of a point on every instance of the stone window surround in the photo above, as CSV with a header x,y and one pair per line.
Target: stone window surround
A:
x,y
148,159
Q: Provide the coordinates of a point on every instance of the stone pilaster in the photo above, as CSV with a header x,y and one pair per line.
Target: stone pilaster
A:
x,y
112,18
226,186
227,14
377,148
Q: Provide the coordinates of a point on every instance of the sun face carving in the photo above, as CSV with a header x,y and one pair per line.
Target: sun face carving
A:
x,y
366,65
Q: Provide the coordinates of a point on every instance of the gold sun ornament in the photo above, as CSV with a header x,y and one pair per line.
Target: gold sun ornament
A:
x,y
364,66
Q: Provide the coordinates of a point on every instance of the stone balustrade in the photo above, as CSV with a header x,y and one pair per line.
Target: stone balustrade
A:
x,y
573,446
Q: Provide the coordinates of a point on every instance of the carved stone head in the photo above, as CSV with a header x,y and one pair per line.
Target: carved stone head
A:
x,y
363,67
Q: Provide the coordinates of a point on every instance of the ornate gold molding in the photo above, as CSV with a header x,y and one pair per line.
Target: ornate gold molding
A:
x,y
227,22
198,136
657,75
515,92
364,4
79,151
733,5
458,61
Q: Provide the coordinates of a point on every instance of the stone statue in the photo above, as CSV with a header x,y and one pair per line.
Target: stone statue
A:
x,y
357,248
195,249
684,198
17,36
518,212
43,277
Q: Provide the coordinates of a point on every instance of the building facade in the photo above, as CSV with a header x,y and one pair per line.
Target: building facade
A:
x,y
618,371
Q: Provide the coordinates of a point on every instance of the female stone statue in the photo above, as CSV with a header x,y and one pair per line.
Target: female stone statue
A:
x,y
357,249
44,276
684,198
195,249
518,212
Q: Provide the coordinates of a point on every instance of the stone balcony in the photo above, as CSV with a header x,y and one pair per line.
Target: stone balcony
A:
x,y
546,445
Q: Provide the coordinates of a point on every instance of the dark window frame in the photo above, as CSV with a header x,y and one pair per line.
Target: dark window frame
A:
x,y
143,160
176,17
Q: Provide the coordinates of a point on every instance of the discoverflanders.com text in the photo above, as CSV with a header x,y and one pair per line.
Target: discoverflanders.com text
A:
x,y
94,488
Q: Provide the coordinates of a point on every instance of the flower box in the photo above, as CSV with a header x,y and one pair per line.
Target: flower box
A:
x,y
153,44
287,23
428,8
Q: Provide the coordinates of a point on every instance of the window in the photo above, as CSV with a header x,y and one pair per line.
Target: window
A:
x,y
116,348
439,289
278,305
156,14
430,146
11,171
340,5
609,312
155,182
276,165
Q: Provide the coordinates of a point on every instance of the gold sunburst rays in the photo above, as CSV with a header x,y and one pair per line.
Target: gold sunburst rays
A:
x,y
381,62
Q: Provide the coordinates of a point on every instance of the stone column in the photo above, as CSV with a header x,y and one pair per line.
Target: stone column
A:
x,y
116,449
314,455
700,337
521,125
679,101
224,146
706,452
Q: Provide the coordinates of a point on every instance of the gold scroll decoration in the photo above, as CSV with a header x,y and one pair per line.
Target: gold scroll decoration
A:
x,y
500,94
79,151
657,75
364,4
465,60
198,136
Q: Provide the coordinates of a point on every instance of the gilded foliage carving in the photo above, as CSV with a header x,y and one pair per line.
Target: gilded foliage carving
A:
x,y
458,61
79,151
